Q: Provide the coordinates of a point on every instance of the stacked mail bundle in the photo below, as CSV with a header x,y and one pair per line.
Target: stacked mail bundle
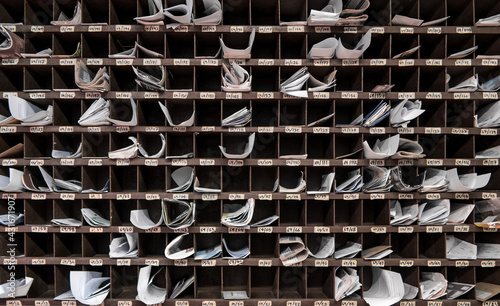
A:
x,y
466,182
233,252
178,214
237,214
133,150
239,118
403,215
65,20
326,184
181,247
150,77
432,285
354,182
435,181
94,218
13,182
387,288
172,16
331,47
96,114
28,113
327,16
400,185
349,250
124,246
88,287
12,44
324,249
487,213
236,78
147,291
299,187
353,13
379,113
434,212
228,52
382,149
408,149
460,249
379,179
181,286
87,80
405,111
346,283
376,252
488,116
292,250
246,150
137,51
21,286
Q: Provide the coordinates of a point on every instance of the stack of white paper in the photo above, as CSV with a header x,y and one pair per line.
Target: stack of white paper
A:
x,y
432,285
12,219
343,53
66,185
490,85
466,182
66,222
246,151
488,250
491,21
301,185
434,212
68,154
328,81
137,51
238,215
459,213
178,14
238,53
239,118
13,182
328,16
44,185
155,16
212,13
236,78
493,152
244,252
127,152
410,292
266,221
178,214
382,149
183,178
488,116
379,179
292,250
326,184
21,285
387,288
209,253
324,49
65,20
44,53
158,154
86,80
405,111
140,218
181,247
470,84
435,181
379,113
403,215
349,250
187,122
28,113
354,182
150,77
197,188
181,286
408,149
147,292
89,287
346,282
487,213
234,295
295,85
377,252
103,189
352,14
94,218
133,119
96,114
325,248
459,249
124,246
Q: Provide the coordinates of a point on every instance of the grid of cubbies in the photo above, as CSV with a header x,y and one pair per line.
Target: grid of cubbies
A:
x,y
445,130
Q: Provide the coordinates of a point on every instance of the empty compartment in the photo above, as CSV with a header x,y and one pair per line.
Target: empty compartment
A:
x,y
431,246
265,79
292,113
320,283
266,46
268,114
430,10
434,115
12,244
151,179
433,145
39,245
235,179
380,46
179,144
209,177
180,45
488,44
207,146
124,282
458,146
348,213
67,245
432,79
120,179
208,213
149,113
263,178
292,283
293,46
407,79
236,12
375,76
320,213
208,79
94,177
12,80
152,244
379,13
92,46
265,12
123,79
37,12
37,146
264,282
376,212
404,245
208,113
349,79
66,112
434,46
292,213
208,282
122,12
38,212
263,246
43,277
295,10
207,44
461,13
37,78
11,11
120,212
96,245
95,11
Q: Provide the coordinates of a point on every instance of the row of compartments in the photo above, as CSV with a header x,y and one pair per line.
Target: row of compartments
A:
x,y
256,12
267,46
204,78
208,213
265,113
271,146
404,246
226,178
